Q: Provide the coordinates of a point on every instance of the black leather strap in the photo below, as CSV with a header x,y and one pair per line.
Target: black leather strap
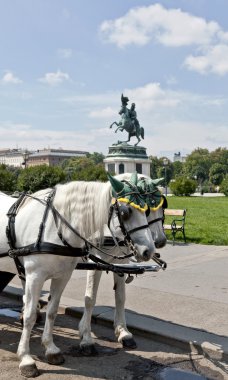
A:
x,y
50,248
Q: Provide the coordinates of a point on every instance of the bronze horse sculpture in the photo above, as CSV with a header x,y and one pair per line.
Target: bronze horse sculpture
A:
x,y
129,121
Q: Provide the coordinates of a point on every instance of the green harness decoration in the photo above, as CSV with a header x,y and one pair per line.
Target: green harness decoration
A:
x,y
150,192
128,192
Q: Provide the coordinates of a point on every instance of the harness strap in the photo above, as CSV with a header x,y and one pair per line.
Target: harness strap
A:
x,y
137,229
50,248
10,233
89,244
45,215
156,220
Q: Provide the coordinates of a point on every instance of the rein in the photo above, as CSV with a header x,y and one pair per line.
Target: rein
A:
x,y
42,247
126,233
66,249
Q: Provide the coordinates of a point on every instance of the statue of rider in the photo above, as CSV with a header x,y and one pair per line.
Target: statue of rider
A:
x,y
133,117
129,121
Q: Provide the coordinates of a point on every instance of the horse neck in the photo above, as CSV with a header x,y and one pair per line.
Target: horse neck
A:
x,y
85,206
124,111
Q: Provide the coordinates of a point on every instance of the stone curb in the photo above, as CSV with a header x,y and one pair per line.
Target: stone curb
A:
x,y
190,339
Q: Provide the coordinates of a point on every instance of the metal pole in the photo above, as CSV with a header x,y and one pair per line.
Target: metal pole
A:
x,y
165,183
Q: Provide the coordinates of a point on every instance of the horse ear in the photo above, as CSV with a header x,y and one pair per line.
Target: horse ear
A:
x,y
157,181
134,178
117,186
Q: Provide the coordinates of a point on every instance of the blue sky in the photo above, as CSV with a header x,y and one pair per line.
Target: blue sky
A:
x,y
64,65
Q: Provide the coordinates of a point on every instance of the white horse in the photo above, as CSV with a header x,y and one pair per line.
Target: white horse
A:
x,y
78,210
156,203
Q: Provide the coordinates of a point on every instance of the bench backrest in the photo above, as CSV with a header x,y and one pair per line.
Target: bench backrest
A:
x,y
174,212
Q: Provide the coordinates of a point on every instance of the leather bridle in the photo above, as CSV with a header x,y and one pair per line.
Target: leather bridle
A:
x,y
126,233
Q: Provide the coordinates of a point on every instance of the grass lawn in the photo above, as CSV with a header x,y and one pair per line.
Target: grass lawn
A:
x,y
206,219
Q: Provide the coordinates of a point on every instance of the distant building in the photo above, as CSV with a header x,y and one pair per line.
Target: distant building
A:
x,y
52,157
12,157
179,157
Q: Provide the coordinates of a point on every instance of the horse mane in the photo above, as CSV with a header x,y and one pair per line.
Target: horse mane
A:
x,y
85,206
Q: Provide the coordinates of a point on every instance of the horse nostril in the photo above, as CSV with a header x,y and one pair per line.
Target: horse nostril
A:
x,y
146,255
160,243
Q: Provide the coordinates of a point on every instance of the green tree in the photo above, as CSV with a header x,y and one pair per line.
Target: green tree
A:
x,y
220,155
183,186
84,169
154,166
7,179
178,169
40,177
165,171
96,157
217,173
224,186
197,165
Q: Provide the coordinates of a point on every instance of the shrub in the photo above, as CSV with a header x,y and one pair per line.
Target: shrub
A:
x,y
7,179
183,186
224,186
40,177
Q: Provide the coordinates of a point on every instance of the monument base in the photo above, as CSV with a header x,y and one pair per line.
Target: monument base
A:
x,y
125,158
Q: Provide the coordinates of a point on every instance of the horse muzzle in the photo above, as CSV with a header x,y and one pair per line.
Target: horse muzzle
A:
x,y
144,253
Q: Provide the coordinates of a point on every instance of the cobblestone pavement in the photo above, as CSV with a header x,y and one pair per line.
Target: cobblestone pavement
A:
x,y
151,360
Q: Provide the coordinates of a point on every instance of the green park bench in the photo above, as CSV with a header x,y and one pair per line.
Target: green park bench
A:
x,y
175,222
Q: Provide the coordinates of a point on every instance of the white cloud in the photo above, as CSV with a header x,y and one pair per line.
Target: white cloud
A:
x,y
104,113
18,134
213,60
170,27
185,136
147,97
171,80
10,78
173,121
65,53
53,79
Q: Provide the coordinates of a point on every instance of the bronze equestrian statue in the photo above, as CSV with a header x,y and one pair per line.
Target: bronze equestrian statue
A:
x,y
129,121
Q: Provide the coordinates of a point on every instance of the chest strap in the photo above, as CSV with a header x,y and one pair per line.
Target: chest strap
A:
x,y
50,248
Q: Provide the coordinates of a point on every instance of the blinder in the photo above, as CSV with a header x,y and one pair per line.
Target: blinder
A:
x,y
165,202
125,212
148,212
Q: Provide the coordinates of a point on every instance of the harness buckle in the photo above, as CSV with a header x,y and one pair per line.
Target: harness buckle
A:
x,y
14,253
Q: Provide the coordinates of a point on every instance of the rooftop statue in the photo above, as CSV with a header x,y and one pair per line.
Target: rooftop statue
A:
x,y
129,121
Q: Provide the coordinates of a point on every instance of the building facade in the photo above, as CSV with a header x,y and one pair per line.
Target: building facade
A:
x,y
179,157
12,157
52,157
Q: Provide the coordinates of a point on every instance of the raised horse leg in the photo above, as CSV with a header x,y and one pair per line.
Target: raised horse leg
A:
x,y
93,279
52,352
33,288
121,331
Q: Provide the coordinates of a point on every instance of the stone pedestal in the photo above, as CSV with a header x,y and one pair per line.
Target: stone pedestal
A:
x,y
125,158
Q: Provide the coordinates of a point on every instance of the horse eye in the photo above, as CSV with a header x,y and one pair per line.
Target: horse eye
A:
x,y
125,212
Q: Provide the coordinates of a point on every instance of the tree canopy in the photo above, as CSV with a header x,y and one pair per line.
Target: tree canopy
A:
x,y
208,169
40,177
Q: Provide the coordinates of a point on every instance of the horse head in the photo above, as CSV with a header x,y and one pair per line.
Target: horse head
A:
x,y
128,219
156,202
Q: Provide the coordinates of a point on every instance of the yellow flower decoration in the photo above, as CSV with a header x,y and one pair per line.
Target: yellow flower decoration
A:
x,y
159,205
125,200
